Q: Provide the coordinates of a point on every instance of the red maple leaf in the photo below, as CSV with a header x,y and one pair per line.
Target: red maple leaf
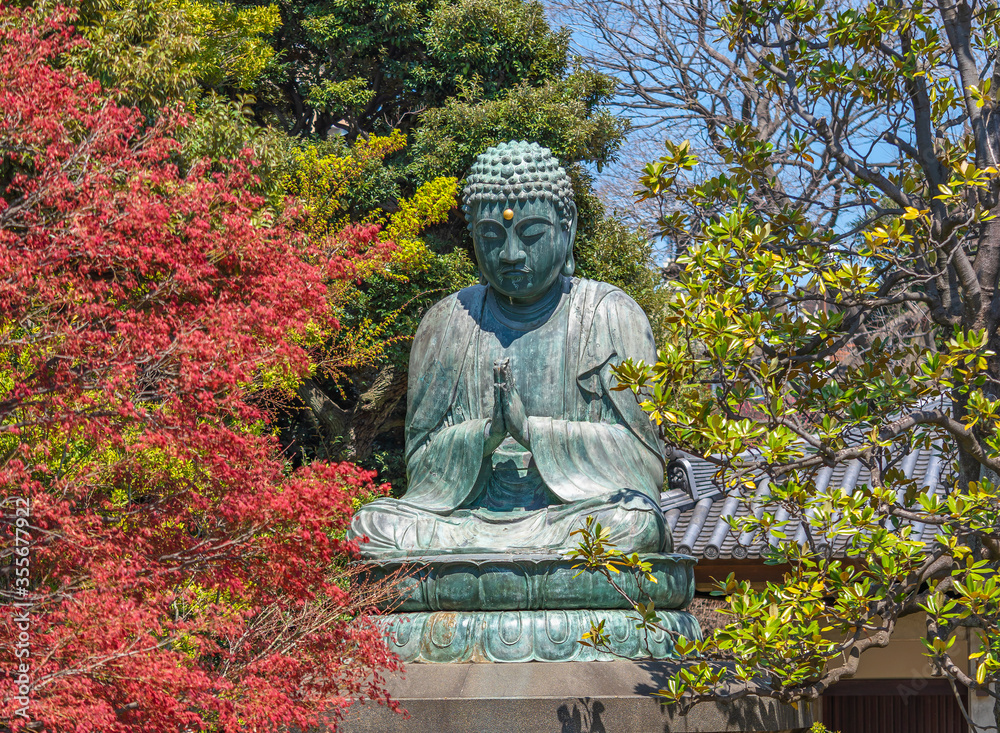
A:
x,y
171,573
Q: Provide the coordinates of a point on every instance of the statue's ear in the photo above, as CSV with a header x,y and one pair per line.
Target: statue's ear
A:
x,y
569,267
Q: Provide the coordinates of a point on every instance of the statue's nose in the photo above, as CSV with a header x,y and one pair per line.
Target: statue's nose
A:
x,y
511,254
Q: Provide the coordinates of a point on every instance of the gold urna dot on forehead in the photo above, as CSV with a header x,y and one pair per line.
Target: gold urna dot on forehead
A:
x,y
508,214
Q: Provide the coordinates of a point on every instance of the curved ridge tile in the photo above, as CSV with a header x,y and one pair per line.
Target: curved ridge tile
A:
x,y
697,521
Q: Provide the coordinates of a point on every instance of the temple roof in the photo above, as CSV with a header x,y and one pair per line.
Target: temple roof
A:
x,y
696,508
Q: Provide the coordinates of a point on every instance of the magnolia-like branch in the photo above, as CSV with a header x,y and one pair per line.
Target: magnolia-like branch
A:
x,y
963,435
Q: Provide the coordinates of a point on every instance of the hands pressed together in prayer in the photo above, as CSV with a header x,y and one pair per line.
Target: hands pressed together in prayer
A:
x,y
509,417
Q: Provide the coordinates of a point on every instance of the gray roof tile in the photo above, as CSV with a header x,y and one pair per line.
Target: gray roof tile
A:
x,y
696,509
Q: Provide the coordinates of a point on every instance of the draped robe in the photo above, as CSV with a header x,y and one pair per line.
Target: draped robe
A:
x,y
593,449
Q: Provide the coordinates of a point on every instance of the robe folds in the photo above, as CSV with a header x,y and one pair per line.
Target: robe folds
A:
x,y
593,448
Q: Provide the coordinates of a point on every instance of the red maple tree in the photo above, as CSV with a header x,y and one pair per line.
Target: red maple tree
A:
x,y
163,570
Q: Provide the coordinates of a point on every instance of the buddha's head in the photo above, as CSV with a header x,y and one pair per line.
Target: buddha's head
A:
x,y
518,201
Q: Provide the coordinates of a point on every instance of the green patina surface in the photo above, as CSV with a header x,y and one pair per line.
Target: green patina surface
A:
x,y
515,434
444,637
522,583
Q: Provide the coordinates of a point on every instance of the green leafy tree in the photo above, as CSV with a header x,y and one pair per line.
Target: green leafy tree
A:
x,y
854,337
157,53
566,114
371,66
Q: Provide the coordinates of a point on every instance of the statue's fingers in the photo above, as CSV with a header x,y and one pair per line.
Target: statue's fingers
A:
x,y
508,376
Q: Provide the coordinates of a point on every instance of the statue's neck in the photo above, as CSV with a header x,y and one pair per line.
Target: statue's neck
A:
x,y
518,311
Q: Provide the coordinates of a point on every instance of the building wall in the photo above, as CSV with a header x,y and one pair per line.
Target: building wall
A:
x,y
904,657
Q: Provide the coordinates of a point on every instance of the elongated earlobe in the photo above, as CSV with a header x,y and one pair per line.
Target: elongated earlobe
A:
x,y
569,266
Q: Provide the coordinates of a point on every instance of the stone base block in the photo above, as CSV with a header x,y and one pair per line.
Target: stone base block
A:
x,y
527,636
572,697
524,583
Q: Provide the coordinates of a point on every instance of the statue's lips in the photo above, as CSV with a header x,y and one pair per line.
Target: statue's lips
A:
x,y
515,272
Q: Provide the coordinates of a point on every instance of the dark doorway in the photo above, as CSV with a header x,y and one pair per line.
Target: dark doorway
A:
x,y
894,706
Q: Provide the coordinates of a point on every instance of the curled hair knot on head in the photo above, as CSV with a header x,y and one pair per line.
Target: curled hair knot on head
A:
x,y
518,171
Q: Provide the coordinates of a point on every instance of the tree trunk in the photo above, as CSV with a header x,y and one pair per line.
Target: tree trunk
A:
x,y
333,420
374,408
349,434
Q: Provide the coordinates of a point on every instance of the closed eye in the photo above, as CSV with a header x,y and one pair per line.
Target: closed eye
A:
x,y
491,232
533,229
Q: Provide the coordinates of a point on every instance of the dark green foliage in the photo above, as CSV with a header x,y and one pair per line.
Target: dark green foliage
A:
x,y
458,76
510,38
565,115
368,66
